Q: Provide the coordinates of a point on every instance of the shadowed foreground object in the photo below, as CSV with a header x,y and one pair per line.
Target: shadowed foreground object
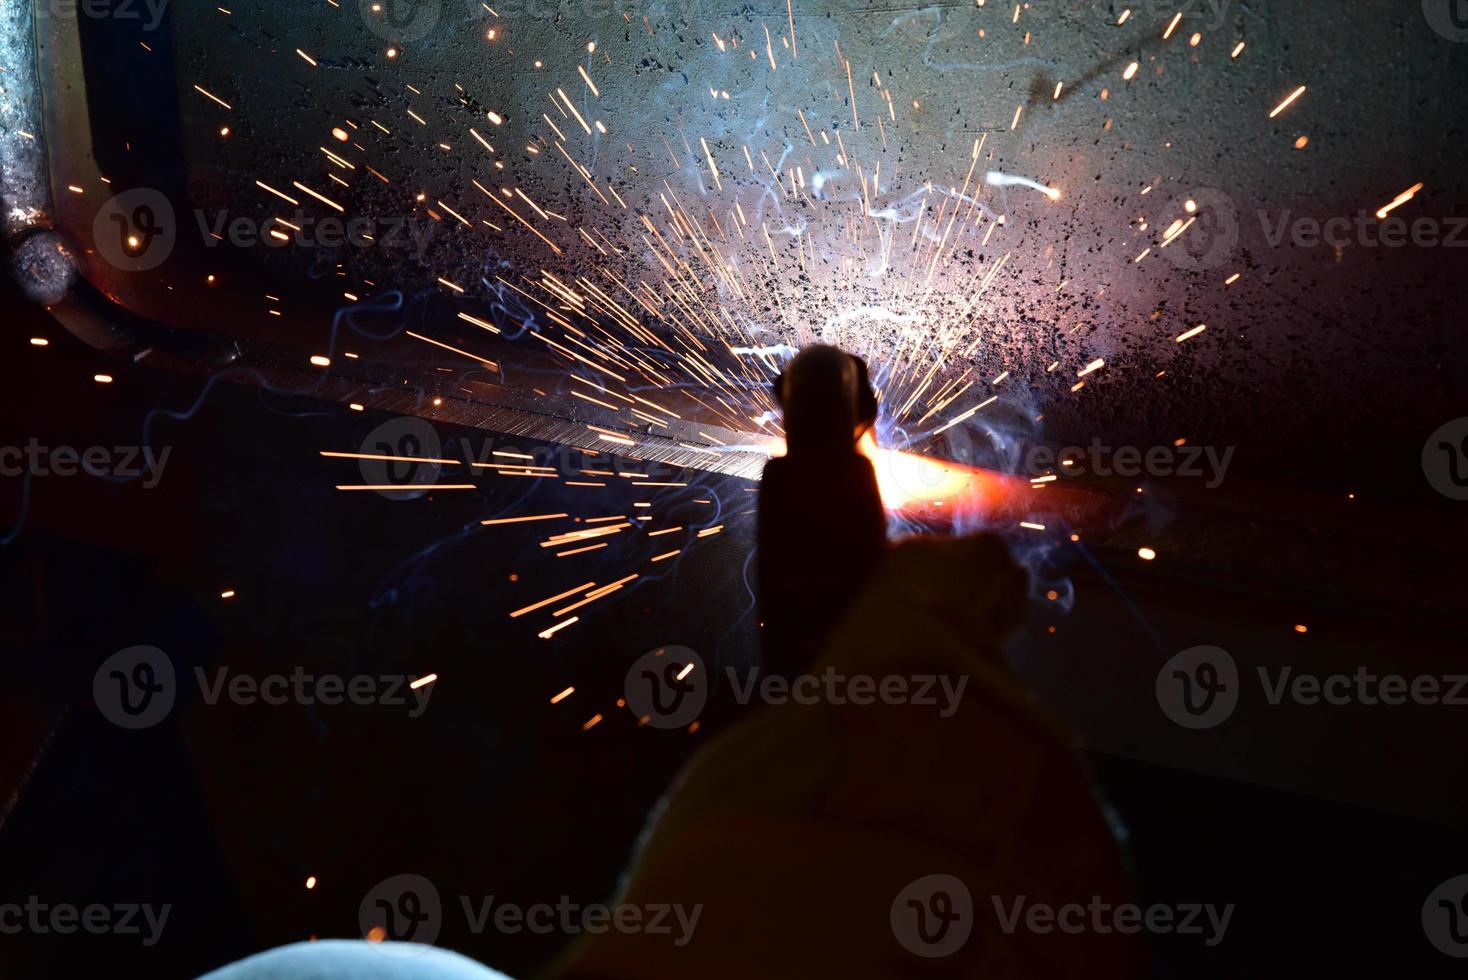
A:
x,y
799,830
821,524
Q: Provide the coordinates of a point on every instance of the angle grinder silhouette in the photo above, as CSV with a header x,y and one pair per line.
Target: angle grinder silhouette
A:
x,y
821,525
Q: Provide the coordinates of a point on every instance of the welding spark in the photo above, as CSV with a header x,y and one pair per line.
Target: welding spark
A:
x,y
996,179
